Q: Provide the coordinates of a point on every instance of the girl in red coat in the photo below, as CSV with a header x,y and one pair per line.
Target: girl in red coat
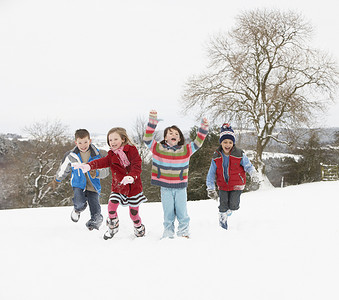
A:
x,y
125,163
228,168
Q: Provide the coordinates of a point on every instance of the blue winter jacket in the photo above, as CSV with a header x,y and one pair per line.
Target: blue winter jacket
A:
x,y
78,178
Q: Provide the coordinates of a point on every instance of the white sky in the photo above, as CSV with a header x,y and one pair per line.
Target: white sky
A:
x,y
101,64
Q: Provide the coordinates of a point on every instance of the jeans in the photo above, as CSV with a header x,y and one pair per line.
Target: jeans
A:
x,y
81,197
174,204
229,200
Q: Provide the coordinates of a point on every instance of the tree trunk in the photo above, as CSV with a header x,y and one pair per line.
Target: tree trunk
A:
x,y
260,166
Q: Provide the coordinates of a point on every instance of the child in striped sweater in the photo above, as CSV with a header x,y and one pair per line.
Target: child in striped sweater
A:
x,y
170,172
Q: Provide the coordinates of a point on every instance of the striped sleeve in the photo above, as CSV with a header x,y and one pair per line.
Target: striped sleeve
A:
x,y
201,135
149,133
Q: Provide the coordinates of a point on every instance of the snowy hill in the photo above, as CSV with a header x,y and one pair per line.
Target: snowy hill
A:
x,y
281,244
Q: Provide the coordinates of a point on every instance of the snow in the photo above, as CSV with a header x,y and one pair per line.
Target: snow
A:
x,y
268,155
281,244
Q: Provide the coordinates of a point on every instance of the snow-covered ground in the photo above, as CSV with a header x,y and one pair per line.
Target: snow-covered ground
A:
x,y
281,244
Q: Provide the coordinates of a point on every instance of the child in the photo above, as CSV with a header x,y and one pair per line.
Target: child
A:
x,y
125,163
228,168
170,172
86,187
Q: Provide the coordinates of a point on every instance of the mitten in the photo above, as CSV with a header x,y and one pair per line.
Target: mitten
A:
x,y
53,184
212,194
93,173
255,177
153,117
127,180
84,167
204,123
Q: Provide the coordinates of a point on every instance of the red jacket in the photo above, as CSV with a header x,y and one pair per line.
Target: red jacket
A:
x,y
236,172
119,171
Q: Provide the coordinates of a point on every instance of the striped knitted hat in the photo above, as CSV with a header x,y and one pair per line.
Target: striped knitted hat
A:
x,y
226,132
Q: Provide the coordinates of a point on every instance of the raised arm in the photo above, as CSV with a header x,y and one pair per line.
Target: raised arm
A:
x,y
201,135
150,129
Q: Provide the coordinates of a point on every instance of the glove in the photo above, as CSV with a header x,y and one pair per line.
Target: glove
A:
x,y
153,117
93,173
204,124
84,167
255,177
53,184
127,180
212,194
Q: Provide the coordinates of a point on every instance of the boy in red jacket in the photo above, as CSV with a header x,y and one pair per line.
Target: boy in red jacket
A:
x,y
228,168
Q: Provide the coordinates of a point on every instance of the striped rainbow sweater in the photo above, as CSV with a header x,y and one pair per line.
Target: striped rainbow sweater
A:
x,y
170,164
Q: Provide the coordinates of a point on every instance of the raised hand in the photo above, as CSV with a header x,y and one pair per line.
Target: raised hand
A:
x,y
205,121
153,115
204,124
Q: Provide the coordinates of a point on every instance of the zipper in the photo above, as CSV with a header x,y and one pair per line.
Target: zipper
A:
x,y
90,177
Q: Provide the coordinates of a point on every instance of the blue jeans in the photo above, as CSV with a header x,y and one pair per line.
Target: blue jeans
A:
x,y
174,204
80,199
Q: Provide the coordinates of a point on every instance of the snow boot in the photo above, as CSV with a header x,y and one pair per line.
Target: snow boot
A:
x,y
223,216
113,228
75,215
139,231
95,222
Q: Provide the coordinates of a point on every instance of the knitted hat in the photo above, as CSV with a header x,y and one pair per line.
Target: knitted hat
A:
x,y
226,132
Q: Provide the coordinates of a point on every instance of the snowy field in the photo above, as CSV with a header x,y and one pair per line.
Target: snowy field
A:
x,y
281,244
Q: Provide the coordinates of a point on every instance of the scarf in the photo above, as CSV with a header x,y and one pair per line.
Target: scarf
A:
x,y
122,156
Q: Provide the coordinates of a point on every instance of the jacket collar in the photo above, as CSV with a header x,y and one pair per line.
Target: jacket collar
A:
x,y
176,147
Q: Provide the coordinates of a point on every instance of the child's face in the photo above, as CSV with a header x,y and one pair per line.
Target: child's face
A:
x,y
172,137
83,144
227,146
115,141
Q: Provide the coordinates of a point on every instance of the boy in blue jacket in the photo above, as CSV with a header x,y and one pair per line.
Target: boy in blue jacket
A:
x,y
86,187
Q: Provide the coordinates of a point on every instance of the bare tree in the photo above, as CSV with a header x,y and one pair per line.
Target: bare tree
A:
x,y
139,129
48,143
263,75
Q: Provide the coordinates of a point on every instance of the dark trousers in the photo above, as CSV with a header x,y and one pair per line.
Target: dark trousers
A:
x,y
229,200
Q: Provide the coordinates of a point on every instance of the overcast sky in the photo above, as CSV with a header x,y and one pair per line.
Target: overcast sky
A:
x,y
100,64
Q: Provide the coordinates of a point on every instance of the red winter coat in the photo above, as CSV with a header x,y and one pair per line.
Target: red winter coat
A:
x,y
236,172
119,171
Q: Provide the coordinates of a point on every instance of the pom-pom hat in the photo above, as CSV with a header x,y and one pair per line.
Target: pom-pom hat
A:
x,y
226,132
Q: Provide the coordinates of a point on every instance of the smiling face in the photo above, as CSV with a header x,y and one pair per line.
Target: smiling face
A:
x,y
227,146
115,141
83,144
172,137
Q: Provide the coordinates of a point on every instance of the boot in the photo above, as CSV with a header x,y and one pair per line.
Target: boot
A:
x,y
113,227
75,215
95,222
139,231
223,220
